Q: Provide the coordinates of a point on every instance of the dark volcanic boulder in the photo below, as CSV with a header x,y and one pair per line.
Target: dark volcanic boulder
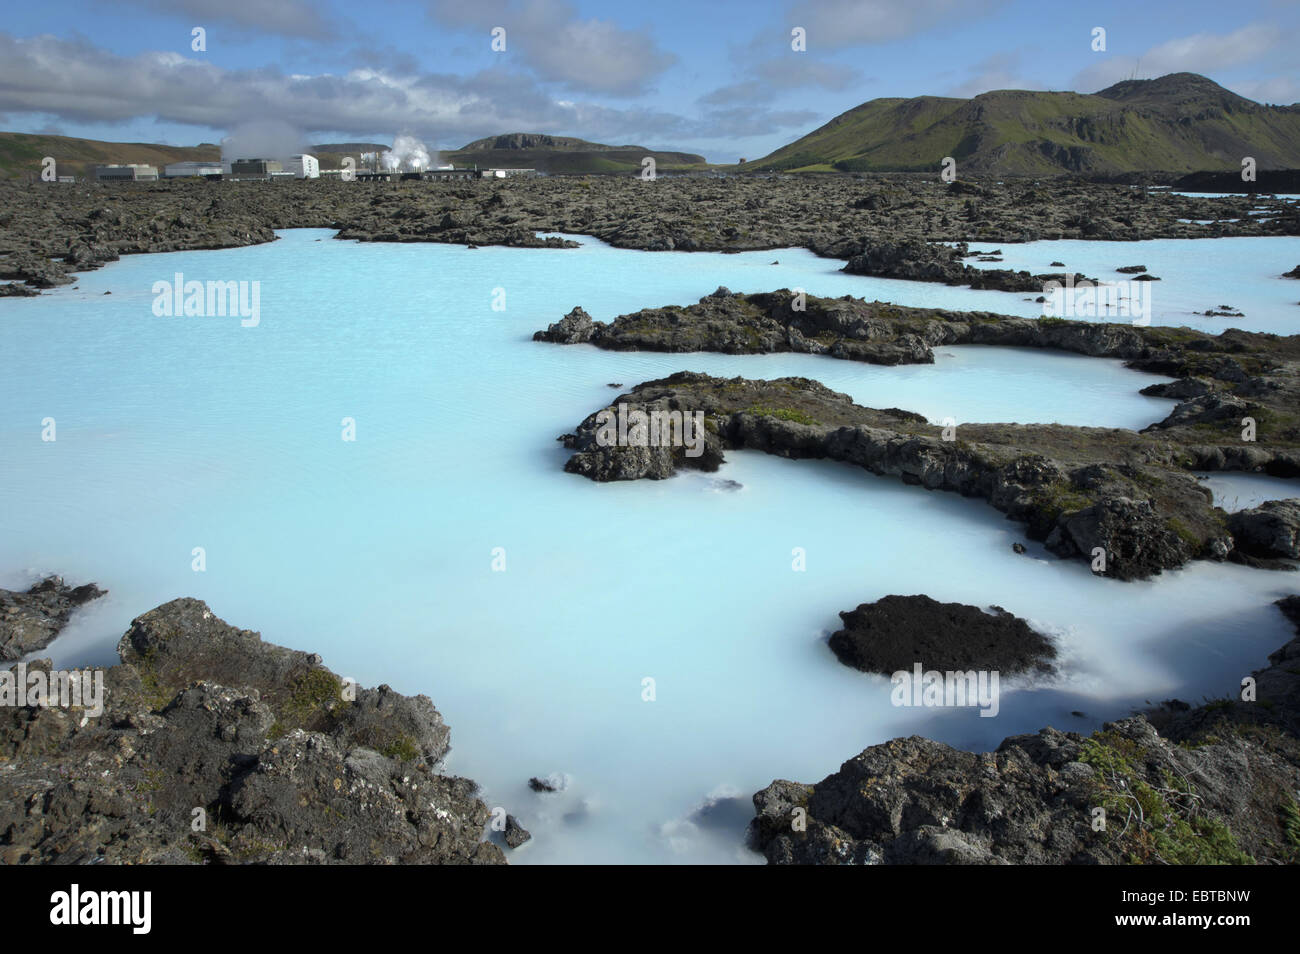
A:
x,y
574,328
30,621
917,801
912,259
1214,785
1137,541
36,270
17,290
896,632
516,834
1271,530
1180,389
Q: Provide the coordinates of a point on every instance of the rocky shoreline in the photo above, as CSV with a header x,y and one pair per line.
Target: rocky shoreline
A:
x,y
285,762
1077,489
48,232
1215,784
30,620
213,746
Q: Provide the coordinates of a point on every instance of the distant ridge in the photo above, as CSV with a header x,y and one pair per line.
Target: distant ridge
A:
x,y
21,154
1182,122
561,155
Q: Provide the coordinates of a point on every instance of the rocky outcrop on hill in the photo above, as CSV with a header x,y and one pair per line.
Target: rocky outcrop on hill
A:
x,y
896,632
29,621
1217,786
214,746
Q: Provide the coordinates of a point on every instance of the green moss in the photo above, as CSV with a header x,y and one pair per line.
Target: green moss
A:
x,y
1060,497
403,748
1290,812
311,698
1185,533
783,414
156,695
1163,824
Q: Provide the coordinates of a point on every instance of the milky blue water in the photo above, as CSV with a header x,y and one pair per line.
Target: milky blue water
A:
x,y
1196,275
1287,196
1240,491
177,433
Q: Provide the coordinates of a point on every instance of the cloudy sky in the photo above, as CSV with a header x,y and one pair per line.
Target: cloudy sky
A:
x,y
718,77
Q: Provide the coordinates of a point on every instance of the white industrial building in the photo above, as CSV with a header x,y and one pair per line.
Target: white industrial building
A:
x,y
131,172
179,170
303,167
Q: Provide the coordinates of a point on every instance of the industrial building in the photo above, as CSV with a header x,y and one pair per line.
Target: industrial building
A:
x,y
180,170
303,167
443,175
130,172
255,168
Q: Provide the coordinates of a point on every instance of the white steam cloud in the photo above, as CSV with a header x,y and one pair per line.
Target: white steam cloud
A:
x,y
262,139
407,155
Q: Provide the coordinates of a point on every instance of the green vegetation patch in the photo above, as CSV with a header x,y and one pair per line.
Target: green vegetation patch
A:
x,y
783,414
1155,824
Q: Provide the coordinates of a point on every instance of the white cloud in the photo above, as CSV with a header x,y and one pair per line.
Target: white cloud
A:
x,y
296,18
1200,53
833,24
999,71
1278,91
74,81
551,40
767,79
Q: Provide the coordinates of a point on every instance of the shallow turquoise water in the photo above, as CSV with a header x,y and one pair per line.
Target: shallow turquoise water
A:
x,y
1196,275
179,433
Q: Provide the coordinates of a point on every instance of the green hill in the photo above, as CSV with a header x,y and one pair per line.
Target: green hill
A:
x,y
1177,123
560,155
21,154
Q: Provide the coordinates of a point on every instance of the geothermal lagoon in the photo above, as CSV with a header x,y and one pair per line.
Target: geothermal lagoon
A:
x,y
445,551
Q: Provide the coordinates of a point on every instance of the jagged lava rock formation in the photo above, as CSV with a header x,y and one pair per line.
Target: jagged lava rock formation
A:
x,y
265,741
1217,784
29,621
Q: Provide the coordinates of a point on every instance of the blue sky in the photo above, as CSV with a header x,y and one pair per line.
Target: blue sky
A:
x,y
716,77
